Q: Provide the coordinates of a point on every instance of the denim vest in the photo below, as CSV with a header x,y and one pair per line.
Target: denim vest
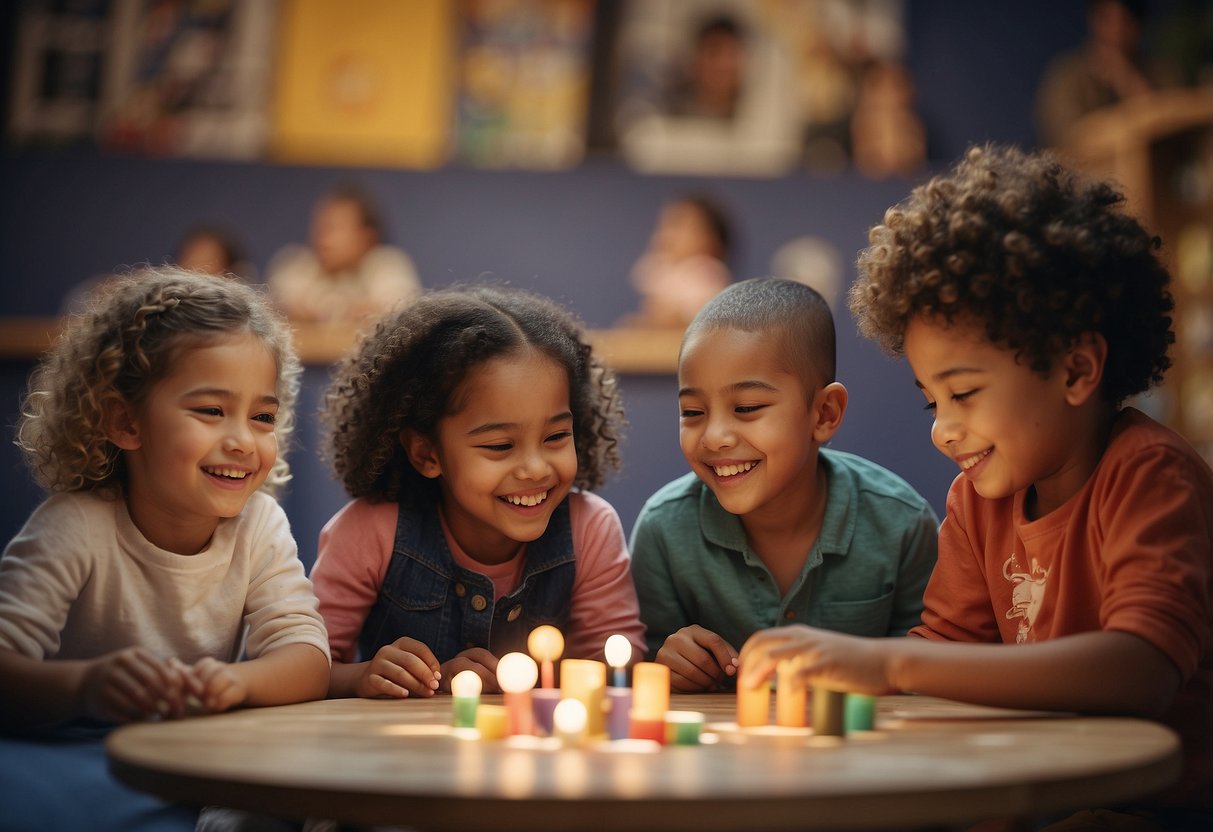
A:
x,y
427,596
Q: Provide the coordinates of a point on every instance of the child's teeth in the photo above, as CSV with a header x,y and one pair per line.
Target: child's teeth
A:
x,y
731,470
532,500
230,473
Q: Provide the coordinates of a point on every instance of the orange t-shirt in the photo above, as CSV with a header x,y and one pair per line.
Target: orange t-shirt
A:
x,y
1132,551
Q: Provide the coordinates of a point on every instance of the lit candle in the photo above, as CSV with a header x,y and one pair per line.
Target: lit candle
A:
x,y
650,701
753,705
790,696
683,727
545,644
516,674
465,690
618,654
585,680
569,721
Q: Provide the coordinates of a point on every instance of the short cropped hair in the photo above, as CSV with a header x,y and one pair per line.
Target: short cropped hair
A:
x,y
793,312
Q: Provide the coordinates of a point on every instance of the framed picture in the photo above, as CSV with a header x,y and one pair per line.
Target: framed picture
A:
x,y
188,77
523,83
57,69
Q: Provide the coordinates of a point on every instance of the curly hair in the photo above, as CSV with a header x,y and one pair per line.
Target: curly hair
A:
x,y
1020,245
135,330
408,369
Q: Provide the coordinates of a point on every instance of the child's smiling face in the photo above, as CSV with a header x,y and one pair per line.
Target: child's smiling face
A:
x,y
506,458
1006,426
747,421
202,442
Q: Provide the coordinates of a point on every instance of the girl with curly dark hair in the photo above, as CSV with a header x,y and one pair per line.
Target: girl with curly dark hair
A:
x,y
1078,530
468,427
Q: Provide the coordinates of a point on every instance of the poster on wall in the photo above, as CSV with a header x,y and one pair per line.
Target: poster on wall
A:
x,y
363,82
523,83
188,78
60,51
730,87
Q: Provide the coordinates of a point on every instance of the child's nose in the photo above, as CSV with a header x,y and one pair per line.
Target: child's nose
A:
x,y
717,434
239,437
533,466
945,430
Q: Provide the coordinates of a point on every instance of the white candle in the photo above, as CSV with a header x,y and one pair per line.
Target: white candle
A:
x,y
618,654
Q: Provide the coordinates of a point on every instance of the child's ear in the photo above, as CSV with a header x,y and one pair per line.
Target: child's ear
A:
x,y
120,423
421,453
1083,367
831,406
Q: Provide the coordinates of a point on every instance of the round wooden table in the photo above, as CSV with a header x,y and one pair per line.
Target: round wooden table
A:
x,y
929,761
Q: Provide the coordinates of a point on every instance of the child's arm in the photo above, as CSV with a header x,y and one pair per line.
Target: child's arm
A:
x,y
290,673
404,667
125,685
1104,671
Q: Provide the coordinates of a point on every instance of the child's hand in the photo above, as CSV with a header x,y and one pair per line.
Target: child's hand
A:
x,y
404,667
131,684
478,660
844,662
217,685
699,660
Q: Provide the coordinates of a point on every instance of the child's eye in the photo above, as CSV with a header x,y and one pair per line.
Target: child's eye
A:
x,y
209,411
559,436
929,406
690,413
499,448
960,397
748,408
267,418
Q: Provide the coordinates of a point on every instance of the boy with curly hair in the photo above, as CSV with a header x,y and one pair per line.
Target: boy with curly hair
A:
x,y
1078,530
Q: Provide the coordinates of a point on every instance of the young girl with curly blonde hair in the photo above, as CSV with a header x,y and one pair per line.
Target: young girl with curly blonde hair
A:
x,y
160,557
467,428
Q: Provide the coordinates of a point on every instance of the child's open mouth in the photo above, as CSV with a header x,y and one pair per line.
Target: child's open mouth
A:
x,y
525,500
734,470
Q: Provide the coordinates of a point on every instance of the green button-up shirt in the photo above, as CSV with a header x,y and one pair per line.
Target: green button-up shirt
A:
x,y
865,574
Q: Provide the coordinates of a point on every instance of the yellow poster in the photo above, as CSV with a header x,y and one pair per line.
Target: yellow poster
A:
x,y
364,82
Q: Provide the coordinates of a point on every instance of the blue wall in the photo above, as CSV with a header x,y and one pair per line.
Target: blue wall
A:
x,y
65,216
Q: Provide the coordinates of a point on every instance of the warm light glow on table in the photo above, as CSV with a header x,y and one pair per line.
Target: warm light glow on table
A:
x,y
546,644
585,680
618,653
569,721
516,673
465,693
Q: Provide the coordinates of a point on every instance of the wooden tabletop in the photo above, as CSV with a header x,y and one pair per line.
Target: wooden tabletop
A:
x,y
929,761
